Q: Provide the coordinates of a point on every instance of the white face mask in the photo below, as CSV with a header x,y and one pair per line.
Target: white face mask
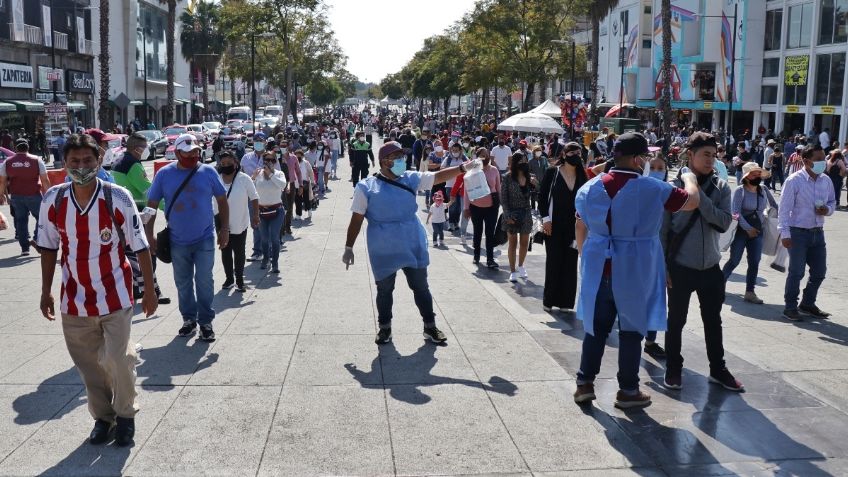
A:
x,y
538,153
456,154
145,154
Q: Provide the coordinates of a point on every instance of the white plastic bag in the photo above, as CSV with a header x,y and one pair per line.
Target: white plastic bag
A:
x,y
726,238
781,257
771,237
476,184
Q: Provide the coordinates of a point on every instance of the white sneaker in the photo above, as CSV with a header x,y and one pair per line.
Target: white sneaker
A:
x,y
309,215
522,272
298,217
462,240
441,243
513,277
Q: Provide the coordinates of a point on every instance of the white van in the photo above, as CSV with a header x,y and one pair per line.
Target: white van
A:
x,y
239,112
273,111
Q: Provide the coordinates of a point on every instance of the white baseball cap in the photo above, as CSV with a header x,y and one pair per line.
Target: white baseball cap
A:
x,y
186,143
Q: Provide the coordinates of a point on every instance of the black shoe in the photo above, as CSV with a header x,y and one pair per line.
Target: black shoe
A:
x,y
275,270
264,265
206,333
124,431
476,260
100,433
435,335
492,264
654,350
792,315
188,328
240,286
163,300
228,283
815,311
726,380
254,258
383,336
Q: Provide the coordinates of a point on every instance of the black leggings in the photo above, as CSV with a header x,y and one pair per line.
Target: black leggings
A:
x,y
484,217
234,247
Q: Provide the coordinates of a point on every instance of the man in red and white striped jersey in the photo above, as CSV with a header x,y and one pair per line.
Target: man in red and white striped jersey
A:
x,y
96,299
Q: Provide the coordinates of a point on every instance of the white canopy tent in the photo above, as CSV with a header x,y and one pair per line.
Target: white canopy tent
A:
x,y
548,108
531,122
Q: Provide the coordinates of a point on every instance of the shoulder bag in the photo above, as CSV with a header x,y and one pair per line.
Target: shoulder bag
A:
x,y
163,238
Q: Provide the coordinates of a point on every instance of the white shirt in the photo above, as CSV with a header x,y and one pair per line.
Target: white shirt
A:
x,y
438,213
311,156
500,154
240,192
306,171
824,139
451,161
335,144
360,201
270,190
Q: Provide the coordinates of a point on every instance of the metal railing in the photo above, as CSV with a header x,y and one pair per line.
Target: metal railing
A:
x,y
88,48
29,33
60,40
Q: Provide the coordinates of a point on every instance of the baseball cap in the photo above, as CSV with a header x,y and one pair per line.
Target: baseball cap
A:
x,y
388,149
700,139
522,142
100,136
185,143
630,144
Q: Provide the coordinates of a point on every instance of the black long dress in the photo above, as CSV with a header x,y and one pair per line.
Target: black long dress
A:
x,y
561,257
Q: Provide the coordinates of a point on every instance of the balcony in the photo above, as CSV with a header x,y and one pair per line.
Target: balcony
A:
x,y
60,40
87,48
29,33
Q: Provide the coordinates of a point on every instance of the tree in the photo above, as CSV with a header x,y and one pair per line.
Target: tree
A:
x,y
170,33
665,100
324,90
597,12
103,108
392,86
201,40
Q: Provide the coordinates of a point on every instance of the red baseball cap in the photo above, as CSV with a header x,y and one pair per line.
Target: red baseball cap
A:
x,y
100,136
522,142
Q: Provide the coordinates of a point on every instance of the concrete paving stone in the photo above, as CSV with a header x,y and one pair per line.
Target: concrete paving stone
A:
x,y
752,469
167,360
209,430
827,386
301,443
509,357
628,472
812,468
284,320
785,358
25,408
442,435
322,360
343,315
409,359
20,348
60,447
553,433
477,317
34,323
47,366
557,342
247,360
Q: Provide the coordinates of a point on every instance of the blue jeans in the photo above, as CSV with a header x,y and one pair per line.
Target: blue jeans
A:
x,y
808,248
438,231
334,162
321,179
257,240
416,278
25,205
629,348
754,246
269,230
193,272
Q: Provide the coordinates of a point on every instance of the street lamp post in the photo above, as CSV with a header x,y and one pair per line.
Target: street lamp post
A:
x,y
144,65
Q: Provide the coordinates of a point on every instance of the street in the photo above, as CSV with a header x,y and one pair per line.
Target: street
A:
x,y
294,384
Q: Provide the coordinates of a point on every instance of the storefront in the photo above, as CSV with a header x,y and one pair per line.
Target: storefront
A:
x,y
18,110
81,97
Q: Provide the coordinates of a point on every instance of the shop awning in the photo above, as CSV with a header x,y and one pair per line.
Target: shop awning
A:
x,y
225,102
159,82
7,107
28,105
199,105
182,101
77,106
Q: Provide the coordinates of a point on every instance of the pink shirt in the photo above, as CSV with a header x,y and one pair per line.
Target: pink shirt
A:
x,y
493,177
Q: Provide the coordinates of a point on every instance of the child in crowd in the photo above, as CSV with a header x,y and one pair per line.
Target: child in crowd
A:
x,y
438,214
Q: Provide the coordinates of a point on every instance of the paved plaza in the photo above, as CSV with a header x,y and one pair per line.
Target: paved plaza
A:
x,y
294,384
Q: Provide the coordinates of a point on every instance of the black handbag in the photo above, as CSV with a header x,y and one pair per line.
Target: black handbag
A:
x,y
163,238
500,234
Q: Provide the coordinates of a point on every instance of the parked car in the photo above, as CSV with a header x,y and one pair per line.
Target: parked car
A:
x,y
173,131
214,128
157,142
114,150
231,135
205,152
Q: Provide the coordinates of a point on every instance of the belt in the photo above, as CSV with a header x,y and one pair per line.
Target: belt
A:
x,y
811,229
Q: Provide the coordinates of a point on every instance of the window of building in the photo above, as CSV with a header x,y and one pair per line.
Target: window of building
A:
x,y
774,23
830,73
800,26
834,22
771,67
769,95
153,21
795,95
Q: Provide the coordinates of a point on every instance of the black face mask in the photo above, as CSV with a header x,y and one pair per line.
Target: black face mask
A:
x,y
226,170
573,160
755,182
501,143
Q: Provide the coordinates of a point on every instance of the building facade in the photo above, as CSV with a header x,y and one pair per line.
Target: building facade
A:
x,y
787,74
46,56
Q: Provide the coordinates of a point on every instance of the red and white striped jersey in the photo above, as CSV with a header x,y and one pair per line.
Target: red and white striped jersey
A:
x,y
96,275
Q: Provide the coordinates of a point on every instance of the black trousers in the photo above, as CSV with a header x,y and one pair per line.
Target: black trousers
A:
x,y
290,199
709,286
484,219
234,249
560,273
360,170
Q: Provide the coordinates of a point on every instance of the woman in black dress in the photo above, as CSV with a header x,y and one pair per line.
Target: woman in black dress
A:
x,y
556,207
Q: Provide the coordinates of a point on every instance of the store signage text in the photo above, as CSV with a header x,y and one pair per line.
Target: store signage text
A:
x,y
80,81
795,70
15,76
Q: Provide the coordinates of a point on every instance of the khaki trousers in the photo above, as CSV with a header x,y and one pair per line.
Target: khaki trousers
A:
x,y
100,349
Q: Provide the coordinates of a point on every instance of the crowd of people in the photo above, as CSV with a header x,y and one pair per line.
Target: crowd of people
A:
x,y
643,237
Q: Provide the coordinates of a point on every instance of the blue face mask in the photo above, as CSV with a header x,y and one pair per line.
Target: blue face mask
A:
x,y
658,175
818,167
399,167
258,146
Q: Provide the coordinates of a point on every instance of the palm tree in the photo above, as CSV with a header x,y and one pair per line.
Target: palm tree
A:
x,y
103,108
170,32
201,40
597,12
665,100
